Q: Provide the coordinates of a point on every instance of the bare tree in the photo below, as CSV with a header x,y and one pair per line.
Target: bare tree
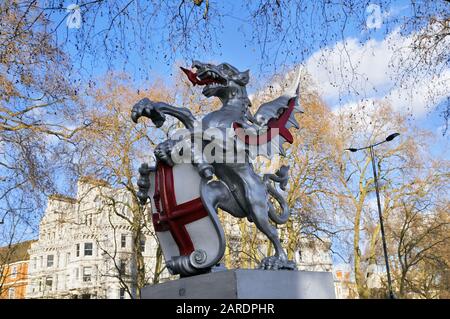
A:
x,y
420,233
37,113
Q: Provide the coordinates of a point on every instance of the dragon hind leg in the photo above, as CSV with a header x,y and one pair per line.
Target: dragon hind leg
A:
x,y
258,210
279,260
250,194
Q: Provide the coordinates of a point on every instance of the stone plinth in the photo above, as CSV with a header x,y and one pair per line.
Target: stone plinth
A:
x,y
246,284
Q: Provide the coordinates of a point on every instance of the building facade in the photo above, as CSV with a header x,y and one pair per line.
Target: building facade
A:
x,y
344,283
85,246
14,261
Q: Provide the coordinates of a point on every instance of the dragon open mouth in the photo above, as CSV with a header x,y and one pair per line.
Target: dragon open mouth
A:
x,y
205,77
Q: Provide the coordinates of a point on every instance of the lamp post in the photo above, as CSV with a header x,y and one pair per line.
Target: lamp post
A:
x,y
383,238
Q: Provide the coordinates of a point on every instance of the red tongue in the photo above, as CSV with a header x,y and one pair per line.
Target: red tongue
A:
x,y
193,77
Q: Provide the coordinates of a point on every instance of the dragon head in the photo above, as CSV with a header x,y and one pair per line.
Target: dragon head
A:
x,y
221,80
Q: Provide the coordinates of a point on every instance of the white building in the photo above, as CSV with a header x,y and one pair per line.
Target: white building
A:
x,y
314,255
85,249
344,283
374,275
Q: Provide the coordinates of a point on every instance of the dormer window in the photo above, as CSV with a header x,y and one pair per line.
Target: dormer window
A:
x,y
88,219
97,201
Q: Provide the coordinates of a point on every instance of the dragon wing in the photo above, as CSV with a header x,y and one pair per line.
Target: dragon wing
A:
x,y
276,117
274,109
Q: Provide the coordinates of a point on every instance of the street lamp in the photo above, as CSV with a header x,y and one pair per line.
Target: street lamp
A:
x,y
372,155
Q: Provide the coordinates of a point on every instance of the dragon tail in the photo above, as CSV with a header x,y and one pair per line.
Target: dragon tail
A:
x,y
281,177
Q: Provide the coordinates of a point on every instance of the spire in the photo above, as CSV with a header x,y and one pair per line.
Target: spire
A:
x,y
294,89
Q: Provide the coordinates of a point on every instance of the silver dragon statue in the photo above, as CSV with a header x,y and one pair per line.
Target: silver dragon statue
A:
x,y
185,196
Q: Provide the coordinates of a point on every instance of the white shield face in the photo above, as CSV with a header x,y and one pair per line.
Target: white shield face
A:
x,y
186,183
186,224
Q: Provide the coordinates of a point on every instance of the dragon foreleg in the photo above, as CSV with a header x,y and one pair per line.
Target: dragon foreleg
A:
x,y
156,111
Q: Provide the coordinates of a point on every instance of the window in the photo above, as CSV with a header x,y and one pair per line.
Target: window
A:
x,y
142,245
33,263
67,258
49,283
78,250
65,281
50,261
122,293
123,266
98,201
41,261
76,273
87,274
14,272
123,241
88,249
12,293
298,256
89,219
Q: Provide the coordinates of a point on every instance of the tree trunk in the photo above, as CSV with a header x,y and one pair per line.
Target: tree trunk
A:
x,y
159,258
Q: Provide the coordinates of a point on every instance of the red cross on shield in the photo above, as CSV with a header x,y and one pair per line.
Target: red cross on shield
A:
x,y
181,222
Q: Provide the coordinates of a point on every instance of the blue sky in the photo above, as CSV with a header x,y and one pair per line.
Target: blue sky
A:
x,y
233,43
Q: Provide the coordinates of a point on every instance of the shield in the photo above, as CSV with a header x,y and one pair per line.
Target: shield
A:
x,y
190,237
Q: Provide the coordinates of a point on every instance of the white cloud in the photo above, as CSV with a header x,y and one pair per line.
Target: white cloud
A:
x,y
375,18
418,97
351,72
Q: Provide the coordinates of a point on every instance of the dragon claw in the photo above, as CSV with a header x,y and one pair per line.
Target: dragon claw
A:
x,y
207,172
143,183
147,108
277,263
139,109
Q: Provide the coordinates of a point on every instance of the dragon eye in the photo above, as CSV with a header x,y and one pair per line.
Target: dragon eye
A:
x,y
226,69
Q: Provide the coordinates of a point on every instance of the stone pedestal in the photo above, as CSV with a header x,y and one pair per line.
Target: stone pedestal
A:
x,y
246,284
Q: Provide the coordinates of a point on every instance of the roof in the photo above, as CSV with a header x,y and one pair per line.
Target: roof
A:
x,y
94,181
16,252
63,198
